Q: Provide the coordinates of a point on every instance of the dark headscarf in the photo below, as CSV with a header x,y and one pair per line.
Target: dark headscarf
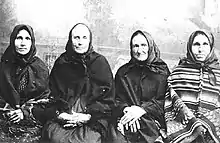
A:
x,y
86,76
11,55
69,46
211,61
154,63
22,75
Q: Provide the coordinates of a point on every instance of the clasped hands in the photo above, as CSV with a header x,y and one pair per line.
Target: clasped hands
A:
x,y
15,116
130,119
74,119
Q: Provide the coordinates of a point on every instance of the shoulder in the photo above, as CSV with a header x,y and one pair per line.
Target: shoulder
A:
x,y
62,59
184,69
98,58
121,71
39,65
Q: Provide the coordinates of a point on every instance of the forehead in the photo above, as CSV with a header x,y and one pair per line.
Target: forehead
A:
x,y
139,38
23,32
80,30
200,37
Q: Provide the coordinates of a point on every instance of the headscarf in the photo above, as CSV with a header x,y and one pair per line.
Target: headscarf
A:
x,y
21,71
211,61
11,55
69,46
87,77
154,63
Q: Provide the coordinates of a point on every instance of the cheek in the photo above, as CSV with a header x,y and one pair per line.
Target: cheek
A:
x,y
194,49
134,50
146,50
74,42
29,43
86,42
17,43
207,49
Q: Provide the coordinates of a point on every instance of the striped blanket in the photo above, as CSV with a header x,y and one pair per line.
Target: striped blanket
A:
x,y
192,107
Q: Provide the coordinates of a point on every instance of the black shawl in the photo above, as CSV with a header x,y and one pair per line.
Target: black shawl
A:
x,y
144,84
86,76
30,65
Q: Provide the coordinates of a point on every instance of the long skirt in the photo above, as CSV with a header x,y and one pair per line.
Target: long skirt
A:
x,y
147,134
54,133
26,131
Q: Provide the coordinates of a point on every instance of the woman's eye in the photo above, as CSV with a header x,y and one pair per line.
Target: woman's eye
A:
x,y
135,45
28,38
205,43
196,44
19,37
75,37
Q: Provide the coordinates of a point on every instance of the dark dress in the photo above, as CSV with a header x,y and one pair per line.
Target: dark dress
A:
x,y
23,84
83,84
142,84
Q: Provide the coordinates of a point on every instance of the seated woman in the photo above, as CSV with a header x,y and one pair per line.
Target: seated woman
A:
x,y
24,88
140,88
192,105
81,84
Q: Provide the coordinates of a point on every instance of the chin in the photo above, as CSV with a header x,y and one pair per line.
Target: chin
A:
x,y
200,59
22,53
80,50
142,58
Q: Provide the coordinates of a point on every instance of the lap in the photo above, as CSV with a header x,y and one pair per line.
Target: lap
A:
x,y
55,133
19,133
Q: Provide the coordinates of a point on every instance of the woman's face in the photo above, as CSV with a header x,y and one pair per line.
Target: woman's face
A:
x,y
140,47
23,42
201,47
80,39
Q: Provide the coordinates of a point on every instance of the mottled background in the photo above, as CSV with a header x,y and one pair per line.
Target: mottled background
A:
x,y
112,22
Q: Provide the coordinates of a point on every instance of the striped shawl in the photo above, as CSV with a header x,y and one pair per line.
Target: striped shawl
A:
x,y
191,96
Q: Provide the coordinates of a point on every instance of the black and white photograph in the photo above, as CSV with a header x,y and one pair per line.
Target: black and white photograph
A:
x,y
109,71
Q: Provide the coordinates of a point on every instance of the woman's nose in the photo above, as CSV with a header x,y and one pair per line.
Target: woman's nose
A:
x,y
199,49
22,42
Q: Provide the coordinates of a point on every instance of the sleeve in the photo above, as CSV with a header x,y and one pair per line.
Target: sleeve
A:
x,y
56,88
56,104
154,107
120,96
35,107
4,107
103,91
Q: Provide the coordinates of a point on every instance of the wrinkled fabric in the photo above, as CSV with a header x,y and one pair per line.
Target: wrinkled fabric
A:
x,y
194,91
144,84
23,84
86,80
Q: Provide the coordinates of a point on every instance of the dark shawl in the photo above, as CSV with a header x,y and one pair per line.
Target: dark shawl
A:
x,y
86,76
35,70
143,83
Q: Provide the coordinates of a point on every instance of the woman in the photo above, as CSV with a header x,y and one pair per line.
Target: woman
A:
x,y
140,90
23,88
192,104
82,86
